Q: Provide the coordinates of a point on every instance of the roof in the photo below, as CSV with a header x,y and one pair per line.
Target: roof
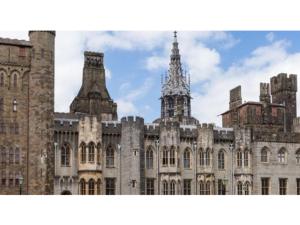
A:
x,y
253,103
8,41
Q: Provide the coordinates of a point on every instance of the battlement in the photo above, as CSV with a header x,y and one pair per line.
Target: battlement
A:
x,y
169,124
66,124
223,135
93,59
264,89
111,127
206,126
283,82
132,119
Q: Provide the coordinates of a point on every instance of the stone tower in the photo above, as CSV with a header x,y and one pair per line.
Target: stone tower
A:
x,y
41,113
132,156
265,99
283,90
93,97
176,99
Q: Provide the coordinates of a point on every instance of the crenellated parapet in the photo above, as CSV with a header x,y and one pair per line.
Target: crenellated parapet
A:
x,y
283,82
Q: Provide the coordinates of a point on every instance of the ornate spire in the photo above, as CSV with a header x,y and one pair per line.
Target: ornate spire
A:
x,y
176,81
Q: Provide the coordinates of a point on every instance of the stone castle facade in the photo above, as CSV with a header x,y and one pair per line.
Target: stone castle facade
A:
x,y
88,151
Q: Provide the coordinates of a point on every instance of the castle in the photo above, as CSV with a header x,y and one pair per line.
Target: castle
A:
x,y
88,151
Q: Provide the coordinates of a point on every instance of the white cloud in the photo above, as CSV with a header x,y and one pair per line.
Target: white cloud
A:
x,y
270,36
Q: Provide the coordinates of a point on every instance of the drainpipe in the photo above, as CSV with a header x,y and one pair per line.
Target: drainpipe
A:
x,y
158,155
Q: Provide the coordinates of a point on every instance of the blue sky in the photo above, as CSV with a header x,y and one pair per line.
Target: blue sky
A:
x,y
135,61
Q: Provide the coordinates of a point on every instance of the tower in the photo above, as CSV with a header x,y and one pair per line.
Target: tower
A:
x,y
40,156
93,97
176,99
283,90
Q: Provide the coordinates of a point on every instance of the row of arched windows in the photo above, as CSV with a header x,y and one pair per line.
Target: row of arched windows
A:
x,y
170,188
13,128
243,188
88,153
204,157
242,156
9,155
14,109
12,80
10,179
281,155
90,188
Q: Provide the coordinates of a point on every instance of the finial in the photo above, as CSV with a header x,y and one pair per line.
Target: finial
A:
x,y
175,36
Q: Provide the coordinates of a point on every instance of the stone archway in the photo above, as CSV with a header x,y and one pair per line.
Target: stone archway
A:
x,y
66,192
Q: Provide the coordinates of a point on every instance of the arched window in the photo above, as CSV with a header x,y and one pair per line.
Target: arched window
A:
x,y
165,157
207,157
201,157
1,105
246,158
91,152
239,158
165,188
3,178
3,156
247,188
240,188
207,188
187,159
149,159
82,187
1,79
91,185
15,80
172,156
173,187
83,153
98,187
65,155
11,156
264,155
17,156
221,160
281,155
110,157
202,188
11,180
15,105
298,156
98,154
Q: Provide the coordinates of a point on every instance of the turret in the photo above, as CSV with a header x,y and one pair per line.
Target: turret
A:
x,y
41,113
283,90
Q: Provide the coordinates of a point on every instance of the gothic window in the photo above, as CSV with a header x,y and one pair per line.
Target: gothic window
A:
x,y
11,180
3,156
83,153
98,187
150,186
110,187
265,183
172,156
207,188
16,128
1,79
187,187
281,155
207,157
15,80
247,188
221,160
11,156
110,157
91,185
1,105
173,187
149,158
17,156
246,158
239,188
15,105
91,152
65,155
221,187
239,158
82,186
165,188
298,186
201,157
298,156
202,188
3,179
17,180
171,103
98,154
165,157
264,155
282,186
187,159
